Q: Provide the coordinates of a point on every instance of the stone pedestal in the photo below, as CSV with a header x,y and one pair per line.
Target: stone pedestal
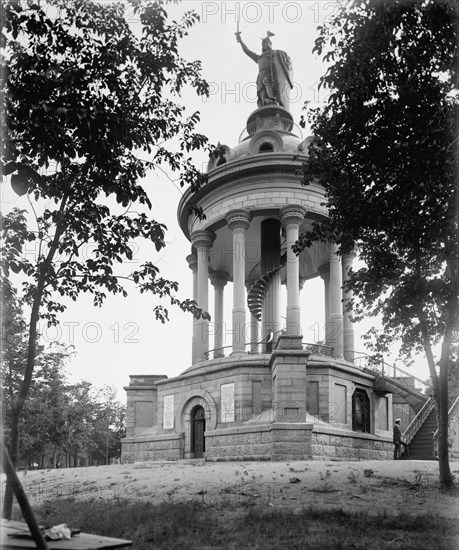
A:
x,y
288,370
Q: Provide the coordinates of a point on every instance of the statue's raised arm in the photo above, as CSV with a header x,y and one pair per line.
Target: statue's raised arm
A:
x,y
274,79
245,49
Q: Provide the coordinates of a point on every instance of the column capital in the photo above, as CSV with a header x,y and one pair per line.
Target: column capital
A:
x,y
219,278
324,270
203,238
238,219
292,213
192,260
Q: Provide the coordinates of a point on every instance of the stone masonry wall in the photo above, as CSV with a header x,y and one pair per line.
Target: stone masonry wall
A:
x,y
278,441
266,442
163,447
242,443
339,446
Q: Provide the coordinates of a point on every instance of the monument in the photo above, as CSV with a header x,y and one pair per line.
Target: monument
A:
x,y
257,390
274,79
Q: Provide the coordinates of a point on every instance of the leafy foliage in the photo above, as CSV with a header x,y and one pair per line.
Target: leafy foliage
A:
x,y
83,96
60,421
386,150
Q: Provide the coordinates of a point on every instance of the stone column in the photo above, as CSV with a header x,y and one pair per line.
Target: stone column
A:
x,y
271,314
238,222
192,260
291,218
254,334
270,240
348,326
218,280
324,272
336,307
202,241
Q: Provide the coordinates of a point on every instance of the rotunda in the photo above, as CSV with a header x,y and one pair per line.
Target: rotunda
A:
x,y
256,390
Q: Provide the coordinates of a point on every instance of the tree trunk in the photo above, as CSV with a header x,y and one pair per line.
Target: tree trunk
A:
x,y
31,353
13,450
440,393
446,479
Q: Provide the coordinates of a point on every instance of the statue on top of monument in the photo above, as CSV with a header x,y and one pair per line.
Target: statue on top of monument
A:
x,y
274,79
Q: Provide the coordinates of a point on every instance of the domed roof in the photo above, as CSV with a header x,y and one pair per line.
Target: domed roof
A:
x,y
269,129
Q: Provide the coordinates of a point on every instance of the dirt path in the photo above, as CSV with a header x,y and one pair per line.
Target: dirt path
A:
x,y
375,486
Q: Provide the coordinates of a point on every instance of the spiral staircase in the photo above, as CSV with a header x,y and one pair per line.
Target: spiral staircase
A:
x,y
260,284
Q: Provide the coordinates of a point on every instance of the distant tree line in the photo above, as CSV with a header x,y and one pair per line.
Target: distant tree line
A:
x,y
64,424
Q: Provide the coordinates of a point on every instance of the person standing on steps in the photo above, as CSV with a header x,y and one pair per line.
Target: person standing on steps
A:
x,y
398,441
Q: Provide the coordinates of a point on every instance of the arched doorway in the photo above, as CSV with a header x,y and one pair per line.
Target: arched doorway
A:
x,y
361,411
198,427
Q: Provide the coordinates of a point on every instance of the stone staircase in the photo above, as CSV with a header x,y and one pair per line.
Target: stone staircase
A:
x,y
422,444
420,433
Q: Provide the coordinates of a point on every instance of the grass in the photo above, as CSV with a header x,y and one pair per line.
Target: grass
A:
x,y
197,525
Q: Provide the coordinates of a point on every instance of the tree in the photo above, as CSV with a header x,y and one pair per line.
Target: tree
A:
x,y
41,419
61,423
108,427
385,150
82,97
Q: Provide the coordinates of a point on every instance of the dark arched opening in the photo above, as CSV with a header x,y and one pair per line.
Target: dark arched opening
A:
x,y
198,427
361,411
266,148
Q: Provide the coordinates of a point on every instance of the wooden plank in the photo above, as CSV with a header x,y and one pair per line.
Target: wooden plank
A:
x,y
82,541
23,502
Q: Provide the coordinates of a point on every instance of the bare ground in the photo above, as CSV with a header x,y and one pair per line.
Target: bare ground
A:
x,y
371,486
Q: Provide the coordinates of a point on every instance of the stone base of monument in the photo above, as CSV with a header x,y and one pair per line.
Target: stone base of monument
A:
x,y
288,405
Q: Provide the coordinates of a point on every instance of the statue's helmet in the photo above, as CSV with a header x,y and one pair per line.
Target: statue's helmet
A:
x,y
266,43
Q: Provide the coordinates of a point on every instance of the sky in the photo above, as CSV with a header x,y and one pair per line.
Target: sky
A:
x,y
123,338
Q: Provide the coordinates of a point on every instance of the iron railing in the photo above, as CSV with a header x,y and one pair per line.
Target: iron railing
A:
x,y
258,348
452,410
370,362
418,420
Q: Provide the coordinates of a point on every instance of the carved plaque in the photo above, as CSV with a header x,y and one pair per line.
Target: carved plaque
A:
x,y
227,402
168,412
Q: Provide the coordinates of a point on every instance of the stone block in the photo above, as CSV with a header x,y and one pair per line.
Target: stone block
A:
x,y
263,449
266,437
301,436
253,438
